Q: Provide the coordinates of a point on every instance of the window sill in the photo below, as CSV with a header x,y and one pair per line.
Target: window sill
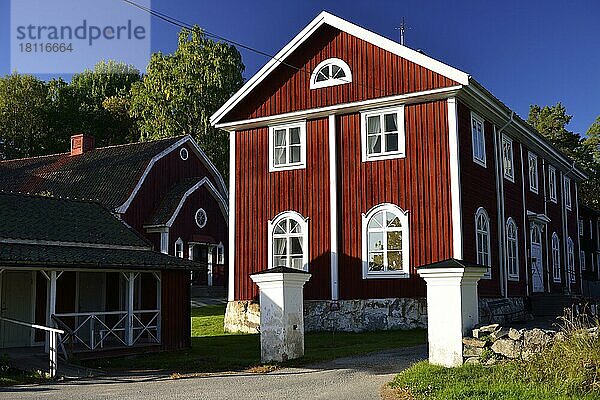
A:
x,y
509,178
290,167
480,162
386,275
513,278
532,190
487,277
384,156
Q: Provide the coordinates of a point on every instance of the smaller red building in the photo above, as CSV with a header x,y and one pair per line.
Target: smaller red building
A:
x,y
589,255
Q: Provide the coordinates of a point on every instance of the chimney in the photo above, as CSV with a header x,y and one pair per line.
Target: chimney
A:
x,y
81,143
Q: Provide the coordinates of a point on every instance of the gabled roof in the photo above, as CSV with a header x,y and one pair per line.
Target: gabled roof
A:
x,y
354,30
109,175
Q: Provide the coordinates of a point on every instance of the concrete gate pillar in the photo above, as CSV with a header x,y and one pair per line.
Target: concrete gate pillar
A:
x,y
452,307
281,313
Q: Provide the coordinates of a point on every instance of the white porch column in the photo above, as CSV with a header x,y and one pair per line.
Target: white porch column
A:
x,y
281,313
452,308
210,264
130,292
158,277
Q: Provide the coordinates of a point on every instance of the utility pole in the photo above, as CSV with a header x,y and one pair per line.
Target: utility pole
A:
x,y
402,29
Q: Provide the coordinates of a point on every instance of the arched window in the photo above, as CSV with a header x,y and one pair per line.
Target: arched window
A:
x,y
571,260
288,241
179,248
482,240
555,257
385,242
512,249
330,72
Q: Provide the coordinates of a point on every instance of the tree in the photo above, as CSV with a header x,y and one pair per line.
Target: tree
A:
x,y
182,90
24,105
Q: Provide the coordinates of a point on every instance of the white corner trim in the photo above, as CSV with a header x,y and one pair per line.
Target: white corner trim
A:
x,y
231,241
333,222
455,194
303,226
211,188
331,81
352,29
290,166
123,207
384,155
404,219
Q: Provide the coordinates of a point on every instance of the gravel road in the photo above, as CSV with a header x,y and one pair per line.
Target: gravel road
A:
x,y
358,377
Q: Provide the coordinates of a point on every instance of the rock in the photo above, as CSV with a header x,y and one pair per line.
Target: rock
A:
x,y
472,360
488,329
536,339
472,342
499,334
515,334
475,333
469,351
508,348
491,361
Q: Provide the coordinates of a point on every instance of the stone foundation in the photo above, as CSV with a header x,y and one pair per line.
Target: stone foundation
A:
x,y
363,315
513,311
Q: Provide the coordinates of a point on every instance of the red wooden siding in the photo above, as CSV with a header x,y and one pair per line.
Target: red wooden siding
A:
x,y
375,73
418,183
261,195
175,317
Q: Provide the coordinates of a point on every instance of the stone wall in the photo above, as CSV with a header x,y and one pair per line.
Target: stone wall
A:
x,y
501,311
363,315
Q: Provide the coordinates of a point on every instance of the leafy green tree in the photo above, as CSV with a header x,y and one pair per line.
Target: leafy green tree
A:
x,y
24,105
182,90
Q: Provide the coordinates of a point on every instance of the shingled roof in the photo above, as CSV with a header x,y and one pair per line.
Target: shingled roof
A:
x,y
107,175
171,201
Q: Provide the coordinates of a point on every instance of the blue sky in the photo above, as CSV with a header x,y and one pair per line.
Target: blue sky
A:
x,y
525,52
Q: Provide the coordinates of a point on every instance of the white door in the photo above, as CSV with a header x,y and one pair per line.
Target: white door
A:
x,y
537,267
16,303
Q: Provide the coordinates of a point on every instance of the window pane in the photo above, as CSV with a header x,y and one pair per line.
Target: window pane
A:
x,y
296,262
392,220
296,245
335,70
375,240
394,240
375,261
373,125
374,144
280,227
294,154
280,246
279,137
394,260
294,226
323,74
376,221
280,156
279,261
391,142
391,122
295,135
339,73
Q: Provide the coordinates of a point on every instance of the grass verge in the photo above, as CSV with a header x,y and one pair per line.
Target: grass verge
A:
x,y
10,376
214,351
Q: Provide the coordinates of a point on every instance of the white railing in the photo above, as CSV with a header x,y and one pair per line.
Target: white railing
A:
x,y
52,332
94,330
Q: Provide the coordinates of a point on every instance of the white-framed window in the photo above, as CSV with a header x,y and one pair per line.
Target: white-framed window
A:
x,y
288,241
330,72
580,226
287,146
220,254
552,182
478,139
179,248
555,257
183,153
482,240
582,259
512,249
200,218
571,260
567,186
507,159
533,172
385,242
382,134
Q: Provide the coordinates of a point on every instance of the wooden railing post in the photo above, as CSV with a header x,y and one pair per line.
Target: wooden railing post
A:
x,y
130,297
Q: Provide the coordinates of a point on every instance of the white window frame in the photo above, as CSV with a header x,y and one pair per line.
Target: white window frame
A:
x,y
580,226
482,213
533,173
513,273
303,222
198,212
555,257
552,182
288,166
476,118
582,259
383,155
567,187
510,176
183,153
331,81
220,259
571,260
178,248
405,232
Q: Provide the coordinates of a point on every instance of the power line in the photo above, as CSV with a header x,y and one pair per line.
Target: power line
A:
x,y
185,25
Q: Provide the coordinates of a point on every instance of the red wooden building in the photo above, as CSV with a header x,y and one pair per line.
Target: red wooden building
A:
x,y
359,159
589,255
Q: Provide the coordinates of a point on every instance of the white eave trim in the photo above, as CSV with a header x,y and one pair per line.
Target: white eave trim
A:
x,y
352,29
205,160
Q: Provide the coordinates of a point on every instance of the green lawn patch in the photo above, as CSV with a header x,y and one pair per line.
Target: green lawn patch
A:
x,y
10,376
213,350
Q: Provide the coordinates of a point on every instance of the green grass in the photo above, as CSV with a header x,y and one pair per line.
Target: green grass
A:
x,y
213,350
10,376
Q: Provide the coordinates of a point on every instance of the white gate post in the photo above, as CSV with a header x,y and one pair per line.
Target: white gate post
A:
x,y
210,265
281,313
51,307
130,292
452,307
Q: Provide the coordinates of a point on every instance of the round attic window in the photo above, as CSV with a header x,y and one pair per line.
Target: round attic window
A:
x,y
201,218
183,153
